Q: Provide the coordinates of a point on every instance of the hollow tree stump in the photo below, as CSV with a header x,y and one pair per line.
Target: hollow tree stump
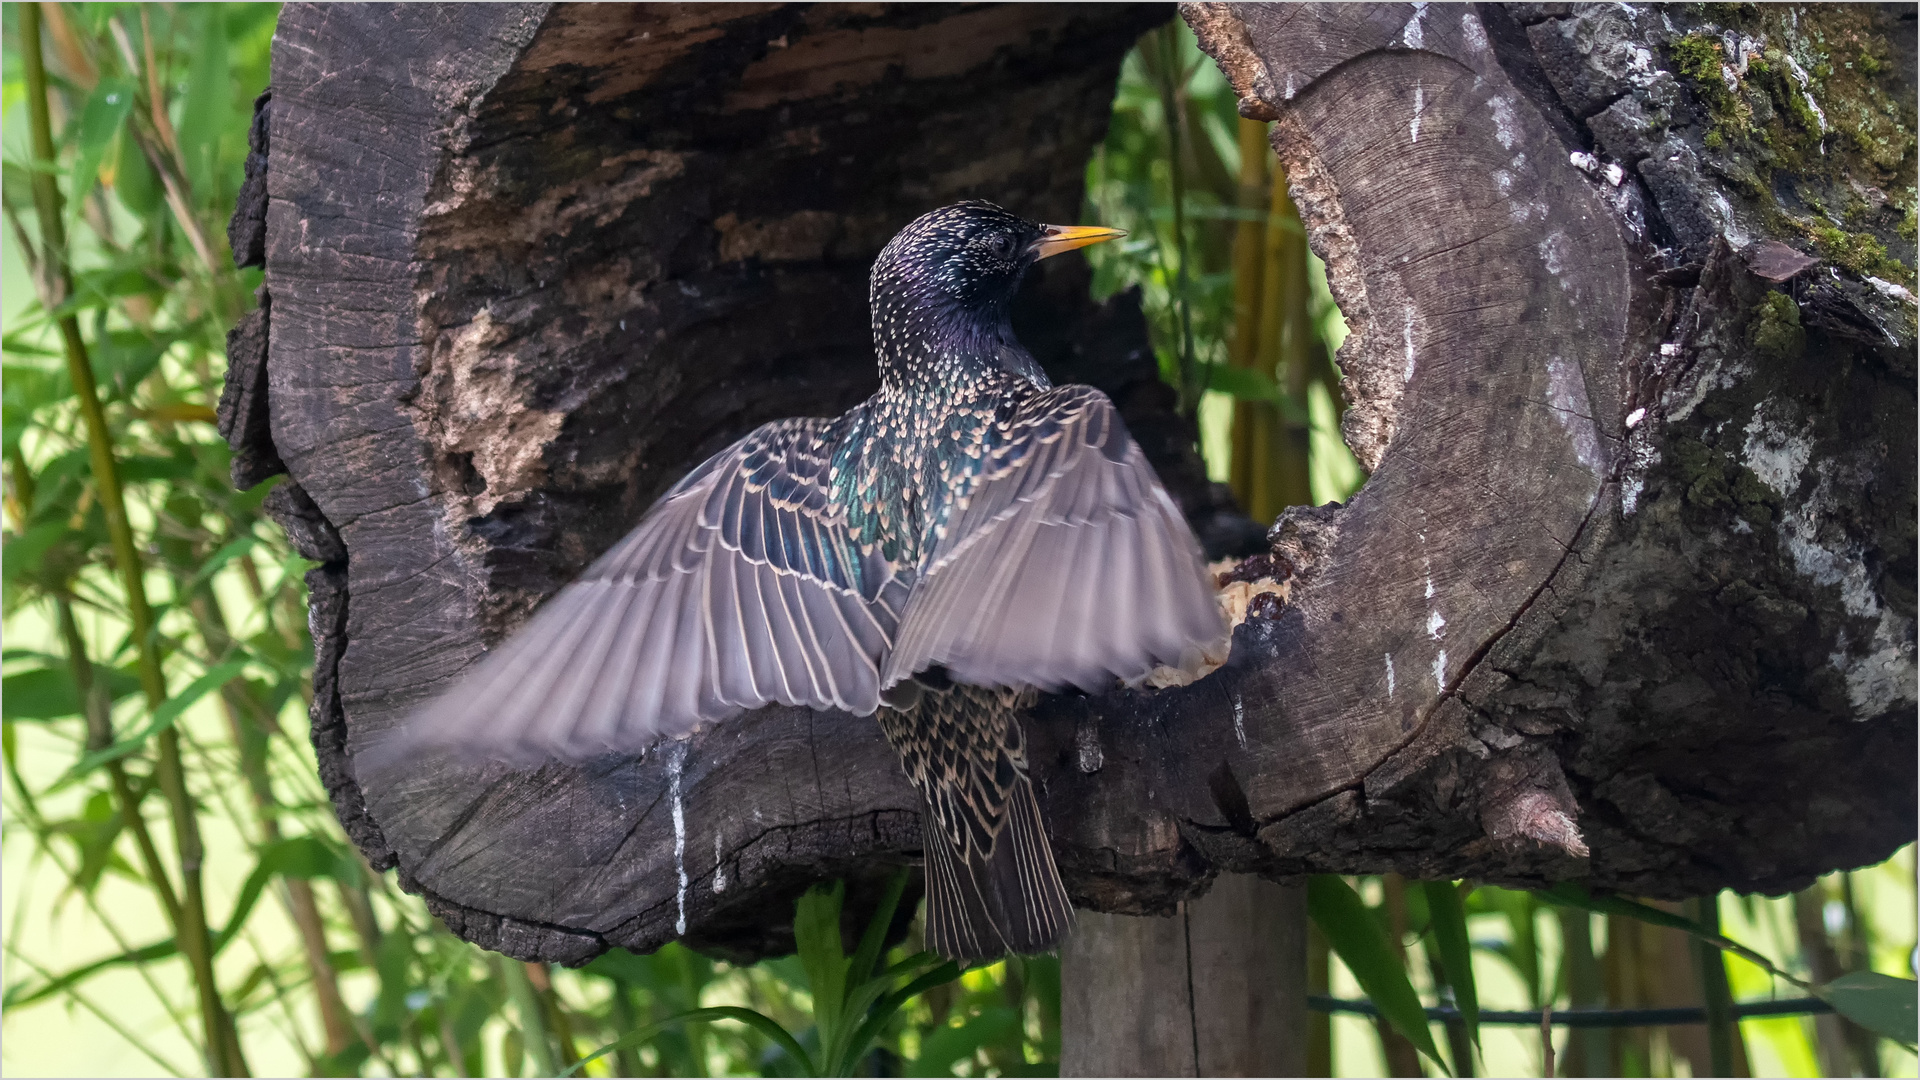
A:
x,y
1628,597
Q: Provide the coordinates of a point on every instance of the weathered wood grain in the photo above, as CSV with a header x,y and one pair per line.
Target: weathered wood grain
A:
x,y
1219,989
1627,597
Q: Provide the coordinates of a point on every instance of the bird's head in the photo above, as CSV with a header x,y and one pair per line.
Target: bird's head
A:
x,y
967,260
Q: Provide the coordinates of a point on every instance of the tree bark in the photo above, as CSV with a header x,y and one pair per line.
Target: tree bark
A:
x,y
1627,598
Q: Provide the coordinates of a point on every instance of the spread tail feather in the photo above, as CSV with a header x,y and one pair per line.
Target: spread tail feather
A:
x,y
1010,901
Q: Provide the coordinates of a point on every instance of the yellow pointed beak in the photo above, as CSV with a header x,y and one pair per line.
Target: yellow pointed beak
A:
x,y
1055,239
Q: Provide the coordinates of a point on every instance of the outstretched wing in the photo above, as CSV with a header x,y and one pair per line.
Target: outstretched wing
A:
x,y
740,588
1066,563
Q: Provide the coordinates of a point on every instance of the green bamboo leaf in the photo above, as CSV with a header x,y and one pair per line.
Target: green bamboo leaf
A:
x,y
207,106
162,719
884,1009
623,967
48,693
294,857
1356,935
758,1021
816,938
1245,384
1879,1003
218,561
93,135
393,964
840,1044
875,937
123,358
1573,894
24,555
72,465
945,1045
134,182
20,341
149,468
25,392
26,389
95,833
1521,951
20,995
513,1052
1448,918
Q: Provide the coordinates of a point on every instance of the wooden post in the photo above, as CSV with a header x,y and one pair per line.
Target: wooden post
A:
x,y
1217,989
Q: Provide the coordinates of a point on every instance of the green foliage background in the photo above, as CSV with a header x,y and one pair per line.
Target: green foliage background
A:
x,y
118,797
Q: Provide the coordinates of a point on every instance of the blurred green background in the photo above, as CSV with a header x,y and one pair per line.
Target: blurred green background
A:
x,y
177,894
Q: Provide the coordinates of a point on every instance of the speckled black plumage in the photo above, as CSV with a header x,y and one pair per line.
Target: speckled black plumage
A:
x,y
966,535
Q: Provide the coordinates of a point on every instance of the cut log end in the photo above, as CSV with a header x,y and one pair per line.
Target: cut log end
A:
x,y
1613,586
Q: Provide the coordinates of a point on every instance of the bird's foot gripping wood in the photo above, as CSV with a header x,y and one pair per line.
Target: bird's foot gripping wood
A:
x,y
992,887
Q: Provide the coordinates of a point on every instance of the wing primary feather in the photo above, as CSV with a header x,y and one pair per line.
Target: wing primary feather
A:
x,y
756,626
654,661
688,674
528,663
807,643
600,722
785,639
577,674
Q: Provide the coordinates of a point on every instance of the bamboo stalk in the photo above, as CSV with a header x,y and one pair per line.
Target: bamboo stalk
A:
x,y
1832,1045
170,167
1191,382
37,824
20,488
222,1042
1293,340
1631,983
1402,1058
238,701
534,1036
1249,260
104,1015
1459,1045
542,980
626,1060
99,737
73,55
1276,446
457,1058
1209,173
1586,1051
1710,968
1858,956
1319,1024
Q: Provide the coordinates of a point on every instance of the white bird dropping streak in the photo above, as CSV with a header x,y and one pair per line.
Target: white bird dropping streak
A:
x,y
1389,676
1406,335
674,761
1440,670
1239,721
1436,623
719,868
1411,35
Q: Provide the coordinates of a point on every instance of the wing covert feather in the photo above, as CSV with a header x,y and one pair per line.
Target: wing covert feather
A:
x,y
1066,564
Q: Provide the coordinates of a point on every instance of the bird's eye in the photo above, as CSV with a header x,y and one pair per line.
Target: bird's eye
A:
x,y
998,243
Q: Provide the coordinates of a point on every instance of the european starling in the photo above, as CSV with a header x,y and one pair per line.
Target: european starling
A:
x,y
966,536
